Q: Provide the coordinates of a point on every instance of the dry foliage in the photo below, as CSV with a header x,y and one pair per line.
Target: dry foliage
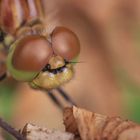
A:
x,y
81,124
33,132
92,126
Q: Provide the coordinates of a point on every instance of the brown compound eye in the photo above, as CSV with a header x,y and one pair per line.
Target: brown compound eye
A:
x,y
32,53
65,43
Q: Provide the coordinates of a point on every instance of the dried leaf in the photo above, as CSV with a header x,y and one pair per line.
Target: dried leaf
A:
x,y
33,132
93,126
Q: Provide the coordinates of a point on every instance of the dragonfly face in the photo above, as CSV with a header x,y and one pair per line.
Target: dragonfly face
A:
x,y
32,57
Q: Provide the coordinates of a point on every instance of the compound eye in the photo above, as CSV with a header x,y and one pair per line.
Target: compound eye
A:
x,y
65,43
32,53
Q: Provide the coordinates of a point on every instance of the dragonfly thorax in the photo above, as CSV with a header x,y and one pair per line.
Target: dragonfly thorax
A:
x,y
14,13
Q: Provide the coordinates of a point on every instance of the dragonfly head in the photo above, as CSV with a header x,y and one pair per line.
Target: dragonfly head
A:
x,y
41,62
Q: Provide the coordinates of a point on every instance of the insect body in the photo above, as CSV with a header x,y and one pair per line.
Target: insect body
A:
x,y
33,56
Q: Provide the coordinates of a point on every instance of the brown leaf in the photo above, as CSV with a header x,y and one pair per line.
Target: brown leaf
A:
x,y
93,126
33,132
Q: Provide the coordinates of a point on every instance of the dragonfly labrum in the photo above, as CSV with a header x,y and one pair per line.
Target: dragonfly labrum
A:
x,y
32,55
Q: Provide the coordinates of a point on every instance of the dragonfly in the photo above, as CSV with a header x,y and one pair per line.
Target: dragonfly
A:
x,y
45,61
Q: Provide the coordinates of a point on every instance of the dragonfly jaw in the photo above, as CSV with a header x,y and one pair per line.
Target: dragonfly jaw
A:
x,y
56,73
48,80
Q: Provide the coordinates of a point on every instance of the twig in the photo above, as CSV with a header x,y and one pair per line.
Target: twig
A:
x,y
11,130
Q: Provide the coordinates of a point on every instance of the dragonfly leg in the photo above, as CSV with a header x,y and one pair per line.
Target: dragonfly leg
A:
x,y
3,74
65,96
55,100
3,69
2,77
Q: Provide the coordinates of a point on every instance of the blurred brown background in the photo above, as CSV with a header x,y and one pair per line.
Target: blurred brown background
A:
x,y
108,80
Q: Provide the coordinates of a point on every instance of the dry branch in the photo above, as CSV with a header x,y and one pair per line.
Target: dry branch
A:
x,y
91,126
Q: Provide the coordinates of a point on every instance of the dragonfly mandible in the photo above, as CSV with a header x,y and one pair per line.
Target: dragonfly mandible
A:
x,y
43,60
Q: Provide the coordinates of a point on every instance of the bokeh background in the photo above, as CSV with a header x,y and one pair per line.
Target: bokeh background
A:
x,y
108,80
